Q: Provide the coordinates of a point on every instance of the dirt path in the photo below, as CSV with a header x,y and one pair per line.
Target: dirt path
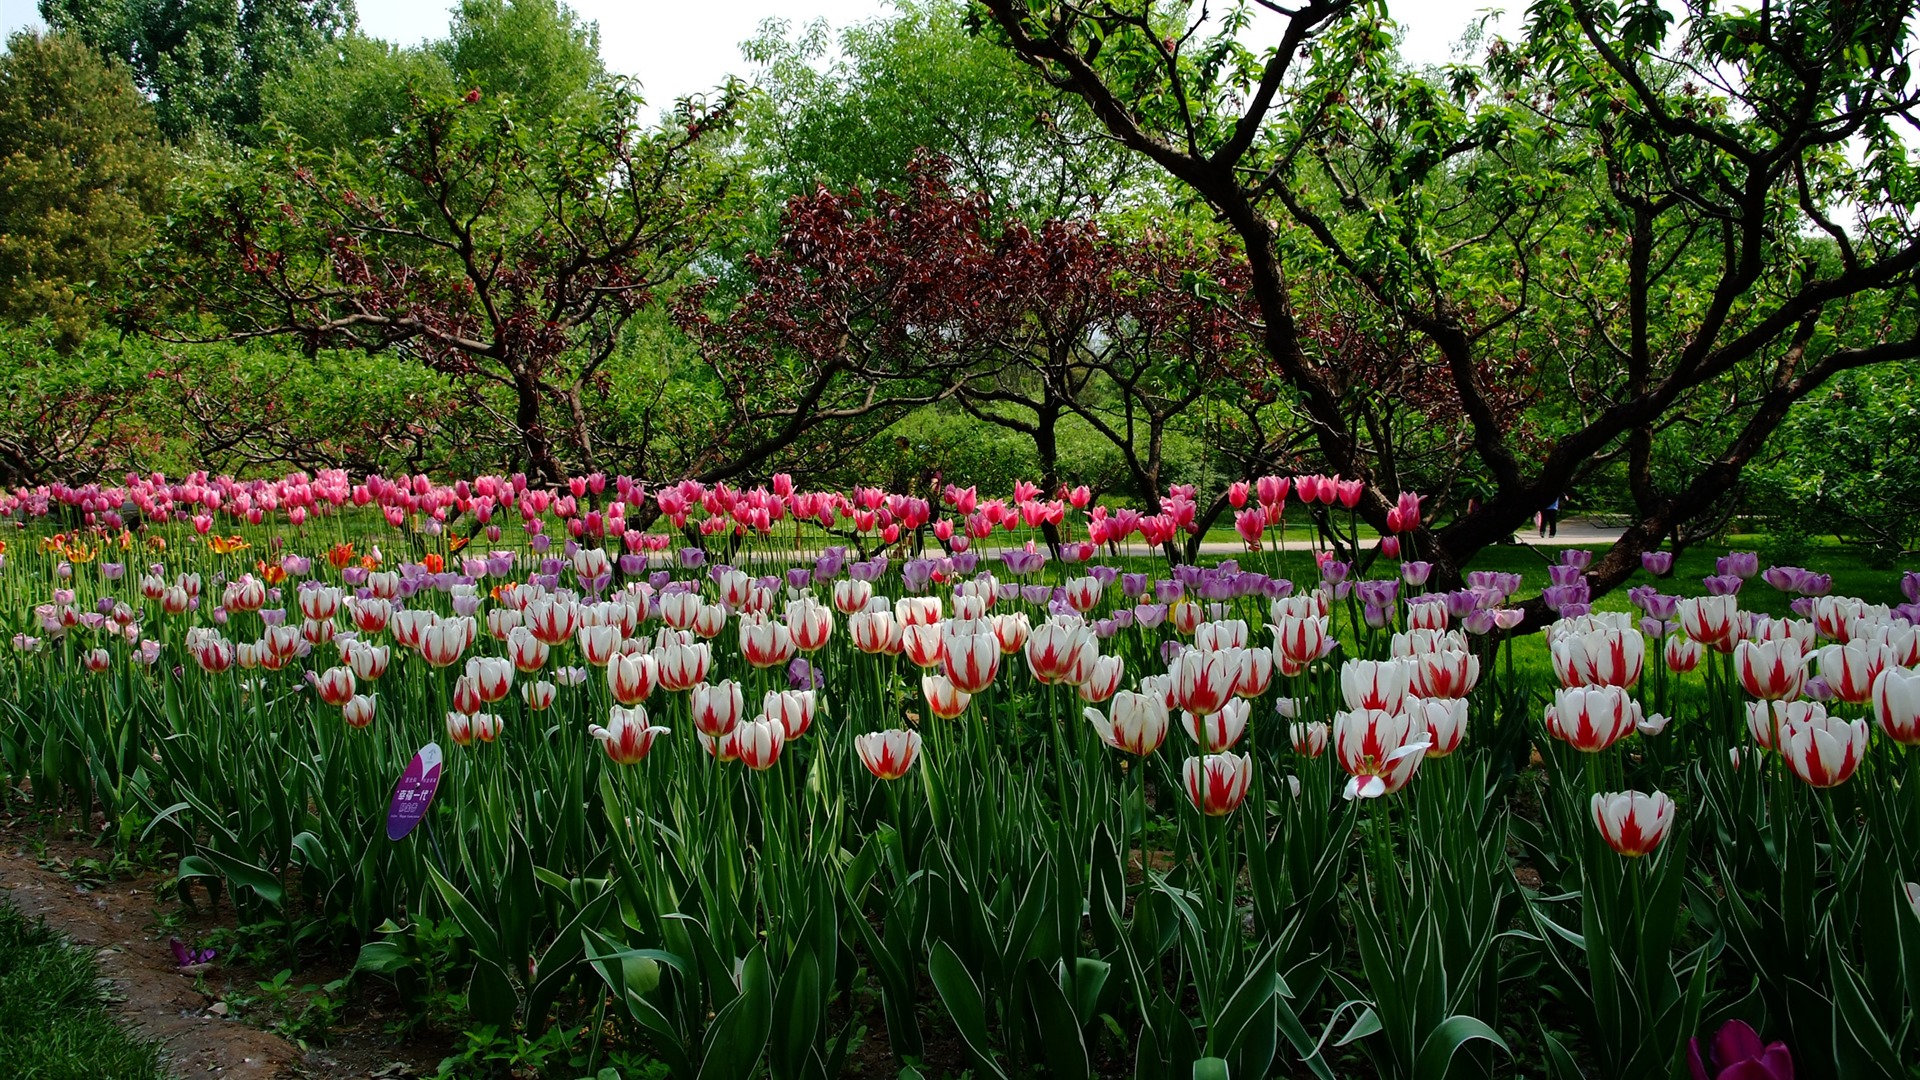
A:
x,y
157,1001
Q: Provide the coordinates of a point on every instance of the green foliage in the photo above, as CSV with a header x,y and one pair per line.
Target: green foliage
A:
x,y
205,62
1847,464
82,172
53,1022
920,79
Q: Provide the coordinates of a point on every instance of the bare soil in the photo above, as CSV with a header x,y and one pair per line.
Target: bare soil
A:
x,y
200,1032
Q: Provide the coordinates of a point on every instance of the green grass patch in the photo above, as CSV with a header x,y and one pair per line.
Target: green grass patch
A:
x,y
53,1017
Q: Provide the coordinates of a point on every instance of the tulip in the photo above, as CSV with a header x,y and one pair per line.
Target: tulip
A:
x,y
809,623
1218,731
758,742
460,728
335,685
1737,1054
492,677
529,653
716,708
1445,673
1591,719
917,610
1136,723
851,595
1652,725
1683,654
465,698
1445,720
971,658
875,632
358,711
1379,685
1851,669
1601,657
888,754
97,660
1771,670
944,700
722,747
538,695
1896,705
1709,620
922,644
1204,681
1913,897
1102,678
630,677
1380,750
1309,739
1300,640
1217,783
552,621
214,655
1011,630
1256,673
792,708
1083,593
1056,650
683,664
1823,750
628,737
1632,823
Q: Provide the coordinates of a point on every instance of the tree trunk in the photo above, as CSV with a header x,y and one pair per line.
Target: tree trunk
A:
x,y
533,430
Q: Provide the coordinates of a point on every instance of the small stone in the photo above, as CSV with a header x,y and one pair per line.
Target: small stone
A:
x,y
218,1008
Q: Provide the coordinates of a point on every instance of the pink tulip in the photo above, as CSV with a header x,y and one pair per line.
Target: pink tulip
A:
x,y
1251,524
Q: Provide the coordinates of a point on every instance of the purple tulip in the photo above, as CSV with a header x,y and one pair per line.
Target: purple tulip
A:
x,y
1133,585
803,675
690,557
1740,564
799,577
1723,584
1910,586
964,562
1416,573
1167,591
660,579
189,958
1738,1054
629,564
1578,558
1657,563
1333,571
1036,594
1564,574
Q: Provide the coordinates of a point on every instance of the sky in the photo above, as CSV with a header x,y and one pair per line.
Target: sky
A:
x,y
678,47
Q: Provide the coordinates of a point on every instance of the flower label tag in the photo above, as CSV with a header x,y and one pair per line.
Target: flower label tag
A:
x,y
414,793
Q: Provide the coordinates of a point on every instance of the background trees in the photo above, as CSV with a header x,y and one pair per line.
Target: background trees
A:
x,y
82,172
1612,255
1703,168
205,62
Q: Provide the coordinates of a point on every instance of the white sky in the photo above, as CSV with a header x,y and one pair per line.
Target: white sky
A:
x,y
677,47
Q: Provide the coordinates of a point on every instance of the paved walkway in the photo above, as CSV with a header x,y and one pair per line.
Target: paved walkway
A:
x,y
1577,532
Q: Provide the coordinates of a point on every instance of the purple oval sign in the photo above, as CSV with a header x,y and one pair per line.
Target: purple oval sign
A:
x,y
414,793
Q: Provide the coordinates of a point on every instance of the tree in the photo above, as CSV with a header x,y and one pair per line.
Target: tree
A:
x,y
874,303
505,249
82,173
204,62
1699,167
919,81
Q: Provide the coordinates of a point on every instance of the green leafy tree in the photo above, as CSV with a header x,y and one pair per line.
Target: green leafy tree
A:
x,y
82,173
920,80
506,250
1655,204
205,62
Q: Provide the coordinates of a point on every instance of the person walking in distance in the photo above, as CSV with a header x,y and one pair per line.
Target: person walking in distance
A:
x,y
1550,517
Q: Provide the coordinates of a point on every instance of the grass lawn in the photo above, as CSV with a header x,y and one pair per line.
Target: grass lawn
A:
x,y
53,1020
